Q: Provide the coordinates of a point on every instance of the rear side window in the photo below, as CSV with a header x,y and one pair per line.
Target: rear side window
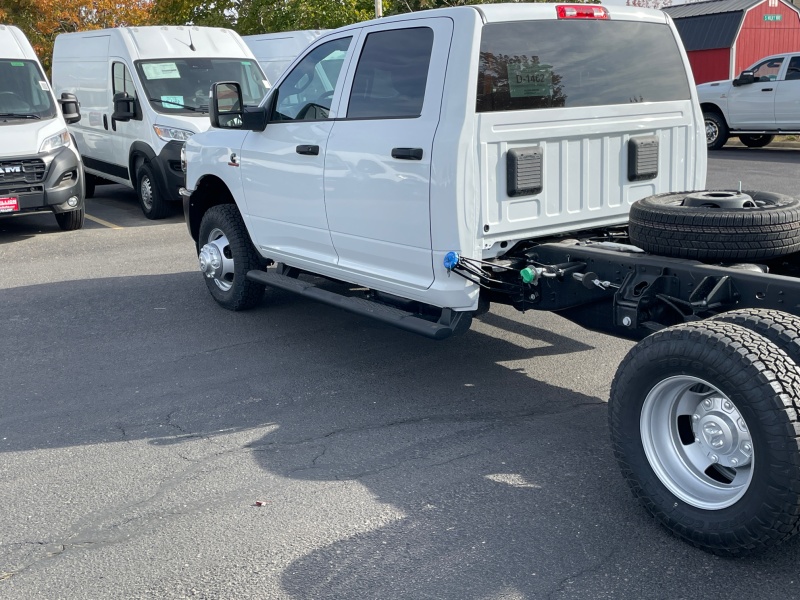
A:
x,y
391,74
548,64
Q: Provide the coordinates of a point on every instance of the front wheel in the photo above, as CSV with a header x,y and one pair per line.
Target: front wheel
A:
x,y
756,141
154,205
72,220
227,254
704,426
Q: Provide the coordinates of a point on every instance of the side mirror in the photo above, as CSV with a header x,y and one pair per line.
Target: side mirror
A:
x,y
745,78
226,107
70,108
227,110
124,107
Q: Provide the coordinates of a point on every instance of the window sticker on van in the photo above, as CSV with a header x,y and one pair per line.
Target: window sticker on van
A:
x,y
161,70
172,101
43,85
17,64
528,78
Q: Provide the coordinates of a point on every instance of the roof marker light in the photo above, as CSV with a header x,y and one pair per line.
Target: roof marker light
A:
x,y
581,11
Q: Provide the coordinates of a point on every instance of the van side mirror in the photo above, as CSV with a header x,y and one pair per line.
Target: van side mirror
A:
x,y
745,78
70,108
124,107
227,110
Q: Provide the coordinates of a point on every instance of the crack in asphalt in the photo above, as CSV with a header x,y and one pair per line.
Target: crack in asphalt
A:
x,y
562,585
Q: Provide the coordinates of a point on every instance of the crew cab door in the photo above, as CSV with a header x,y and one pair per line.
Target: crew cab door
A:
x,y
282,166
378,164
787,97
752,106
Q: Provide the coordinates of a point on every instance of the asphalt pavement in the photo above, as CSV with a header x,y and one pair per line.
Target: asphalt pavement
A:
x,y
154,445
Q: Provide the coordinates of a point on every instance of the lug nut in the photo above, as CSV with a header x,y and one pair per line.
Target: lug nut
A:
x,y
742,425
714,458
734,461
707,403
727,405
695,417
747,448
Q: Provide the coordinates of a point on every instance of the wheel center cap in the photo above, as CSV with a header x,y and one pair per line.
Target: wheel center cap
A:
x,y
721,432
210,259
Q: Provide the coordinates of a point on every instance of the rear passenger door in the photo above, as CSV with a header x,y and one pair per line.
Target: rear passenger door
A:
x,y
378,163
752,106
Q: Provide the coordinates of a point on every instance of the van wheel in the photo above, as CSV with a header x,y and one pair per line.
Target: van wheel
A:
x,y
154,206
72,220
91,183
227,254
716,130
756,141
703,419
721,226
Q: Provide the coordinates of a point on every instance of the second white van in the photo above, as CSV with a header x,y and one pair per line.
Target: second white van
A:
x,y
276,51
143,92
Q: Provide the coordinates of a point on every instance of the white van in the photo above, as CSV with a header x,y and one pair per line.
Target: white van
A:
x,y
276,51
40,168
144,92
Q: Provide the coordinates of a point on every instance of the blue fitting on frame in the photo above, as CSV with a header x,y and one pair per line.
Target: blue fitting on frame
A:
x,y
451,260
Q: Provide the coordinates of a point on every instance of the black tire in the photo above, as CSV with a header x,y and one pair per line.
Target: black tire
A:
x,y
780,328
711,509
756,141
716,130
91,183
230,288
154,205
71,220
768,228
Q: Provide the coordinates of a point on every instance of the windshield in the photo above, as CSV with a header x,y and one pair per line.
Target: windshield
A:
x,y
24,92
182,85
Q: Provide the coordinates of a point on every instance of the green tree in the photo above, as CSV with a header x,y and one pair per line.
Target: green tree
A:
x,y
219,13
266,16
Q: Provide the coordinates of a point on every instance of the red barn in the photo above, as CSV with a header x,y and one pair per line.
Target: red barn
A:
x,y
723,37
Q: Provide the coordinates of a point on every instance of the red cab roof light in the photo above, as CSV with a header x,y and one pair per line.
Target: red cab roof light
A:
x,y
581,11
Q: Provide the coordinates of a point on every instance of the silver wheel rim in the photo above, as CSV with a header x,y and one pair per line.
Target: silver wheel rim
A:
x,y
697,442
216,260
146,191
712,131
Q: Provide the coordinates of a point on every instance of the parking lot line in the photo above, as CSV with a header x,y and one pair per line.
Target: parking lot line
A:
x,y
102,222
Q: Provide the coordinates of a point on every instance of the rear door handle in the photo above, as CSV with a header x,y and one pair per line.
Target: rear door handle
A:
x,y
766,89
307,149
407,153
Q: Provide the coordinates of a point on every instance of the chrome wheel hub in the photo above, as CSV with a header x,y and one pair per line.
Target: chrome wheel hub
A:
x,y
712,131
216,261
697,442
146,191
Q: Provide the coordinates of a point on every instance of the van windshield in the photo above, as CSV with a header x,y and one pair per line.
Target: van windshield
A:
x,y
563,63
182,85
24,92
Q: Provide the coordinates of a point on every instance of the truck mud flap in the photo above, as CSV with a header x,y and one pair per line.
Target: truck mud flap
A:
x,y
361,306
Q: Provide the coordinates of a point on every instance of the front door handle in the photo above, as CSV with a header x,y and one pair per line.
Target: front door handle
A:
x,y
407,153
766,89
307,149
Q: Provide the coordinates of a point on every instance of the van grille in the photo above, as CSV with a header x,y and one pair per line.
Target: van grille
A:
x,y
30,170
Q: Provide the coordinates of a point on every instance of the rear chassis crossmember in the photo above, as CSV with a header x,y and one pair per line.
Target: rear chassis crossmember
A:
x,y
607,285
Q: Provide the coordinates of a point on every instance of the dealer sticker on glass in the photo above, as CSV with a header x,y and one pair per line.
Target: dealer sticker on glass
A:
x,y
530,79
8,204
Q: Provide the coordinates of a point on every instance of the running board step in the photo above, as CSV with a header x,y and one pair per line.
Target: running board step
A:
x,y
360,306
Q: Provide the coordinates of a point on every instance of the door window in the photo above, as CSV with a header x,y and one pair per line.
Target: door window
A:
x,y
307,91
767,70
391,74
122,80
793,72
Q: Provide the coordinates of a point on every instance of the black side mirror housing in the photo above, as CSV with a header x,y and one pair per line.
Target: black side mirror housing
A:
x,y
227,110
70,108
124,107
745,78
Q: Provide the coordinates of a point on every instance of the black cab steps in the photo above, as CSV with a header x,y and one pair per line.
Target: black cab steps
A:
x,y
361,306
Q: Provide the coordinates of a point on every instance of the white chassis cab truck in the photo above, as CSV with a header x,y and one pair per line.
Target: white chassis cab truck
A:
x,y
550,157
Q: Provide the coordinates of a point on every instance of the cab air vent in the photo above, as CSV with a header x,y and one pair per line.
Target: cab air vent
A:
x,y
643,158
524,171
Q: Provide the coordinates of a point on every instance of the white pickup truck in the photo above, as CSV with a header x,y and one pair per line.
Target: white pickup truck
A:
x,y
417,168
764,101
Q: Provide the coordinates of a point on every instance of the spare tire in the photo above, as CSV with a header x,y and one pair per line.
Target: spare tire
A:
x,y
718,226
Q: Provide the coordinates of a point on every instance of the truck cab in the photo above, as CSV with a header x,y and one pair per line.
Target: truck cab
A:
x,y
40,168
